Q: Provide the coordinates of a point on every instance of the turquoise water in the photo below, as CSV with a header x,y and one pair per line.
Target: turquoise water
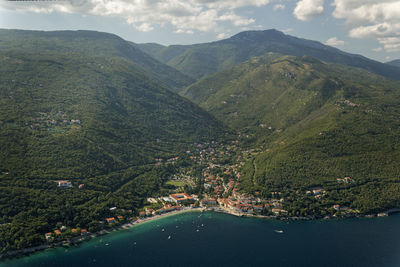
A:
x,y
213,239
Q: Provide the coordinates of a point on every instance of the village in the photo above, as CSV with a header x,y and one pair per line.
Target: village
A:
x,y
218,189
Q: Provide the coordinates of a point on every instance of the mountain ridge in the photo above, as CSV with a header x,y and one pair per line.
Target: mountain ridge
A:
x,y
93,43
224,54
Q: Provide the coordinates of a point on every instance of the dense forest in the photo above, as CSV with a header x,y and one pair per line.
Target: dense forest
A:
x,y
96,121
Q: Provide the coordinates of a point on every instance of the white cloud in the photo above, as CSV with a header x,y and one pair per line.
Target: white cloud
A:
x,y
287,31
374,19
390,44
231,4
222,36
185,15
334,41
308,9
235,19
367,11
279,7
376,30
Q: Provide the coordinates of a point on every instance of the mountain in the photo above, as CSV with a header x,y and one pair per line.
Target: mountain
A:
x,y
97,121
313,122
200,60
395,63
95,114
95,44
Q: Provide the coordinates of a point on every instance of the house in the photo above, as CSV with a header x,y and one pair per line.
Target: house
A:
x,y
142,214
57,232
84,232
110,220
317,191
180,197
74,230
64,184
169,208
276,211
120,218
81,186
113,209
49,236
336,207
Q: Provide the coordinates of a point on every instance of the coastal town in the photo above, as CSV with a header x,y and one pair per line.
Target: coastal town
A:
x,y
216,187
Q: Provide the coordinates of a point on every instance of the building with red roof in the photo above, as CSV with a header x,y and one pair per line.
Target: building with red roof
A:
x,y
180,197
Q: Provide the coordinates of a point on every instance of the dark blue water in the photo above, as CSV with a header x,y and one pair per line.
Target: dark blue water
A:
x,y
212,239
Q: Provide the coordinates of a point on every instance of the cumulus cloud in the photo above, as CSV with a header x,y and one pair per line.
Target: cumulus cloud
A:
x,y
185,15
377,19
390,44
334,41
308,9
279,7
222,36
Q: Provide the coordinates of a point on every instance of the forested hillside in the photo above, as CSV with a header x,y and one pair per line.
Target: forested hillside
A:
x,y
313,122
96,121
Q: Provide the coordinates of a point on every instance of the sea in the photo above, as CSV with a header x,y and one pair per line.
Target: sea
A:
x,y
217,239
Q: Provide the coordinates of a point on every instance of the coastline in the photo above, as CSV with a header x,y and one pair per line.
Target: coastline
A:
x,y
80,239
309,218
125,226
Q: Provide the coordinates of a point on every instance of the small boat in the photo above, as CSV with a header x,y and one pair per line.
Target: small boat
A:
x,y
169,237
279,231
163,230
197,230
107,244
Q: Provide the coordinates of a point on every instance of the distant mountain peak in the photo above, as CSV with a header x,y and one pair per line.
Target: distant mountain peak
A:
x,y
200,60
271,34
395,63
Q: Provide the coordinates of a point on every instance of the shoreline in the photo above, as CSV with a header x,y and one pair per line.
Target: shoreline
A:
x,y
309,218
80,239
77,240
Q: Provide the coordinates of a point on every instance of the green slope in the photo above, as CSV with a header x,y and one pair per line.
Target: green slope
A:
x,y
200,60
124,117
97,121
95,44
313,122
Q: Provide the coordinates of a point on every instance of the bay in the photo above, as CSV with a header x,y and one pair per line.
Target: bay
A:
x,y
215,239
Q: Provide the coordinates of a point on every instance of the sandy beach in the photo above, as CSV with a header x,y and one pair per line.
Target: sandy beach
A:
x,y
77,240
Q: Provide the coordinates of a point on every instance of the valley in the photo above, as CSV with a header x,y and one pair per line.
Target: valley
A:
x,y
97,132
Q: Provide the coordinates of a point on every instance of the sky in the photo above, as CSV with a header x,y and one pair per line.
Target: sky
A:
x,y
367,27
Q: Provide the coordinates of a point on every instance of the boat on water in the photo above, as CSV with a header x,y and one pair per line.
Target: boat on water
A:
x,y
169,237
279,231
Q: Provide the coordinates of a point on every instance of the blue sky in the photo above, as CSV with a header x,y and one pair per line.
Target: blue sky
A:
x,y
367,27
